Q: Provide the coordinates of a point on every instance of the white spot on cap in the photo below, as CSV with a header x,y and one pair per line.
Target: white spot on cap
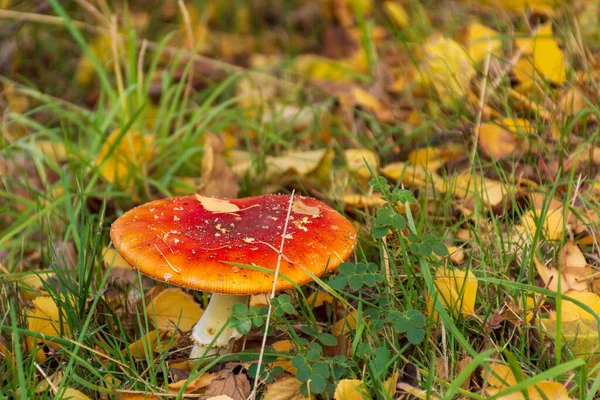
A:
x,y
167,276
175,218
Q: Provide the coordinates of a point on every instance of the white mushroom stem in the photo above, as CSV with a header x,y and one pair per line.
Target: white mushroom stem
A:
x,y
213,320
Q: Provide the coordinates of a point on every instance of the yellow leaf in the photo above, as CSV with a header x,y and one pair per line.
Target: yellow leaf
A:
x,y
33,283
344,325
572,256
121,156
45,319
496,141
416,392
481,40
284,389
389,385
499,377
432,158
577,279
456,290
413,175
357,161
397,13
552,226
350,389
113,259
457,255
473,189
73,394
173,307
446,67
548,58
217,206
319,298
101,49
147,345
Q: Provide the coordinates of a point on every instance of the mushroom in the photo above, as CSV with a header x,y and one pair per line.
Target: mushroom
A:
x,y
202,243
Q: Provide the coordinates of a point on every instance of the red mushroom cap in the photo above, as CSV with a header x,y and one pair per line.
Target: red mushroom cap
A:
x,y
187,241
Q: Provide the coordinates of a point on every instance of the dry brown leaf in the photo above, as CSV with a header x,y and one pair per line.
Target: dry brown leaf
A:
x,y
217,206
174,309
195,385
350,389
457,255
301,208
287,388
217,179
230,384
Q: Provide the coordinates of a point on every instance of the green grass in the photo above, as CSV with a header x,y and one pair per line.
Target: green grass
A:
x,y
45,202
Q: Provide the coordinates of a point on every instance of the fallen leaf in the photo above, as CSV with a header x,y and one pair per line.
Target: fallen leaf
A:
x,y
503,138
473,189
578,326
217,179
446,67
317,299
174,309
45,319
350,389
217,206
73,394
416,392
499,377
287,388
357,161
149,344
432,158
121,154
548,58
572,257
397,13
101,49
344,325
481,40
195,385
304,209
456,290
414,176
230,384
577,279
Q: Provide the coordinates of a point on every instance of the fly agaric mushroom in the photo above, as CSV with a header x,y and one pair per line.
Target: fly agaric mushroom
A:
x,y
200,242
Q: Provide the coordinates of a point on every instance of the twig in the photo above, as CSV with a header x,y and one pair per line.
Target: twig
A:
x,y
486,70
271,296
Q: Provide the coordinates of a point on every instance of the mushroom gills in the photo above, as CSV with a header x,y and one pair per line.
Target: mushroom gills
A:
x,y
213,320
